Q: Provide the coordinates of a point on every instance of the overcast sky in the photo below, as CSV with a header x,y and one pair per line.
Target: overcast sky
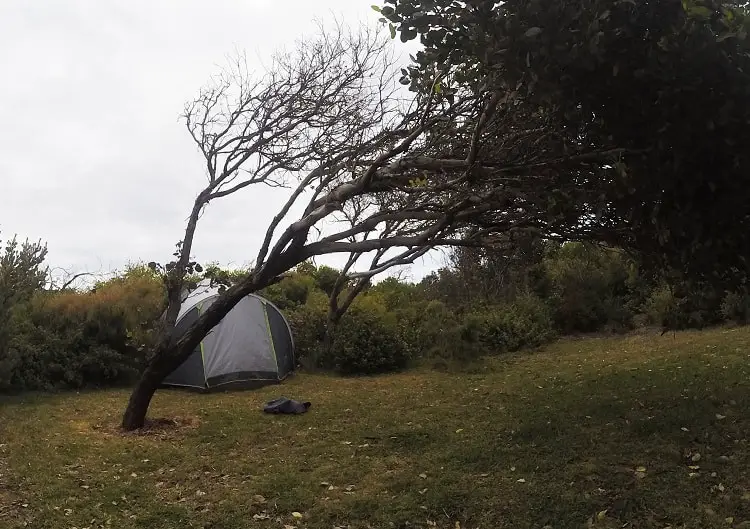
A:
x,y
93,157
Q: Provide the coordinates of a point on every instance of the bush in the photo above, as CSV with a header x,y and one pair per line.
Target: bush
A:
x,y
308,323
736,307
685,306
72,340
22,275
367,341
290,293
524,323
588,288
426,328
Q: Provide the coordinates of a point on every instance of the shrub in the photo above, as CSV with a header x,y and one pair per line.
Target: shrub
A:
x,y
366,341
524,323
736,307
78,339
685,306
22,274
588,288
308,323
290,293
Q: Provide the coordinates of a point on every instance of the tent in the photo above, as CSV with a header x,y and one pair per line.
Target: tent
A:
x,y
251,347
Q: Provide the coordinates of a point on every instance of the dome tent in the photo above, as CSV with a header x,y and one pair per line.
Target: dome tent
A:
x,y
252,346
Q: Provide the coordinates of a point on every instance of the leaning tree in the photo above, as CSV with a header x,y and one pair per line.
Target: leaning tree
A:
x,y
401,172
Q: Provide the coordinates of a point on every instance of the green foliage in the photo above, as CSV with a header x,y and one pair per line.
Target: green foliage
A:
x,y
484,303
325,278
736,307
308,323
22,274
524,323
664,83
291,292
660,305
367,341
588,288
81,339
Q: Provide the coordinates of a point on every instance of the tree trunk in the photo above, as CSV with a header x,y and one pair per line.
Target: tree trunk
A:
x,y
173,351
140,399
333,320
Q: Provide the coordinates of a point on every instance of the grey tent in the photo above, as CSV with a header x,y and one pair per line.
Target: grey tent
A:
x,y
251,347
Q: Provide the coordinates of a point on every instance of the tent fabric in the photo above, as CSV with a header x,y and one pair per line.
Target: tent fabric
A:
x,y
252,345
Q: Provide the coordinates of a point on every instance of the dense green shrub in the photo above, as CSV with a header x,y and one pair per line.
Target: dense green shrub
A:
x,y
735,307
22,274
308,323
587,288
79,339
427,328
685,306
367,341
524,323
290,293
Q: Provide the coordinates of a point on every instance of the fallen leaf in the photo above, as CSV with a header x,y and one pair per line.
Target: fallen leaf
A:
x,y
684,429
423,475
297,515
601,515
521,480
258,499
696,457
133,475
719,416
200,493
640,469
720,487
261,516
459,431
729,519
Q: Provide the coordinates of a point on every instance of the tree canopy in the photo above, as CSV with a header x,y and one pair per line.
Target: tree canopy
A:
x,y
665,84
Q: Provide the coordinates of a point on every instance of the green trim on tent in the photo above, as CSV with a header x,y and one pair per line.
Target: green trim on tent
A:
x,y
270,336
203,356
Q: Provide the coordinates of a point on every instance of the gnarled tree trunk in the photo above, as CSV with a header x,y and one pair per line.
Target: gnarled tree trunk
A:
x,y
140,399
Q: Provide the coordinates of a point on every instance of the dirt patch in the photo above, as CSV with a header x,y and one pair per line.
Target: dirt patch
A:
x,y
165,427
158,428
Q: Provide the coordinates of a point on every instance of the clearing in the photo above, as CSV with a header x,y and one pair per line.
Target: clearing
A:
x,y
644,431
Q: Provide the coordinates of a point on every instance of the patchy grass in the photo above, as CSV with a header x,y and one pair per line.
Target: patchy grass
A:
x,y
646,430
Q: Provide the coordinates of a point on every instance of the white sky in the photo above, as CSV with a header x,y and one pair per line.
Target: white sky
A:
x,y
93,157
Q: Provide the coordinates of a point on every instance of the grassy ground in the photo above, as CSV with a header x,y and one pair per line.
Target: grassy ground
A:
x,y
644,431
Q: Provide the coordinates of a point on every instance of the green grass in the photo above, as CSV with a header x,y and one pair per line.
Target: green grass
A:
x,y
550,438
